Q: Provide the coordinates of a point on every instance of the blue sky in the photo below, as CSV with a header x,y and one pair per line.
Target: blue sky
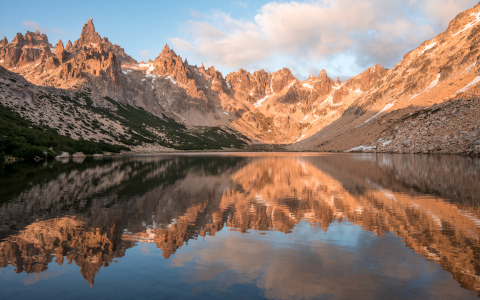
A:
x,y
342,36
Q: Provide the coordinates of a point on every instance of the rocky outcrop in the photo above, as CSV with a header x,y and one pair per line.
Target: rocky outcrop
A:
x,y
3,42
275,107
367,79
69,46
439,76
78,155
60,52
88,37
168,63
23,50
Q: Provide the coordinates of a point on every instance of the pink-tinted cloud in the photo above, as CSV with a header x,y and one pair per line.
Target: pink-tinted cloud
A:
x,y
145,54
313,32
32,25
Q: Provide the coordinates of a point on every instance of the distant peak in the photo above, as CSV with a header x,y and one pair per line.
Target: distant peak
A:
x,y
167,52
377,67
18,39
322,75
88,35
69,46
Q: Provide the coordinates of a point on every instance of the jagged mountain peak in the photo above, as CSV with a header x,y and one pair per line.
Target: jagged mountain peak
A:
x,y
59,44
272,106
167,52
88,36
18,39
69,45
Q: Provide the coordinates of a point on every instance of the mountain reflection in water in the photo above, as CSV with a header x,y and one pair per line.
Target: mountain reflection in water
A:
x,y
92,213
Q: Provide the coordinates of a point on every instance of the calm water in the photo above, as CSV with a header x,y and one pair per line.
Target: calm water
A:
x,y
255,226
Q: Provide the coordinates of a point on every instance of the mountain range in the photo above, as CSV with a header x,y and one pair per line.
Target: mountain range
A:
x,y
91,90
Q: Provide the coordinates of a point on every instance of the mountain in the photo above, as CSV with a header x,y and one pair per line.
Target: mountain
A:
x,y
81,92
265,107
426,103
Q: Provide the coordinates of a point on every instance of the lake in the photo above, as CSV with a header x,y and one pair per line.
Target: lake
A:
x,y
241,226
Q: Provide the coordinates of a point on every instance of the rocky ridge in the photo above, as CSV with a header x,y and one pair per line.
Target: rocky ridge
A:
x,y
194,96
428,103
319,114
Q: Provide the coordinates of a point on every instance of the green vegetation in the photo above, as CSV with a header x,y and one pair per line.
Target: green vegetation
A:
x,y
22,139
140,122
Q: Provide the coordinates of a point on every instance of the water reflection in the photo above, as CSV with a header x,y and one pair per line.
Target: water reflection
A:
x,y
91,213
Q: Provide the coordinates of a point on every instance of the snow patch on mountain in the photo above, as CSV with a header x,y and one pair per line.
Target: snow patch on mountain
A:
x,y
429,47
153,76
434,83
471,24
387,107
306,85
470,67
474,82
260,102
363,148
171,79
431,86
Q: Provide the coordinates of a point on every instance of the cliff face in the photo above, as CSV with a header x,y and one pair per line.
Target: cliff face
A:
x,y
398,110
426,104
268,107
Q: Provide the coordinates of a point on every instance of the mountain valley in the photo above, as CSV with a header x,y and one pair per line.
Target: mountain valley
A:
x,y
92,90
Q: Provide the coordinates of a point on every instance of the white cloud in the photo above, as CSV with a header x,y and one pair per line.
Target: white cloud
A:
x,y
145,54
243,4
318,32
32,25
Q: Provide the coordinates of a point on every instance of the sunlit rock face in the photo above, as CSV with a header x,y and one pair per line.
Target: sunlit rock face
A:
x,y
427,103
91,215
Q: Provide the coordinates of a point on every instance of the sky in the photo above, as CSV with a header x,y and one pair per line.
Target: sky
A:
x,y
344,37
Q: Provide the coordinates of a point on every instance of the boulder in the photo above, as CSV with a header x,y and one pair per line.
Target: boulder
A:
x,y
79,155
63,155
